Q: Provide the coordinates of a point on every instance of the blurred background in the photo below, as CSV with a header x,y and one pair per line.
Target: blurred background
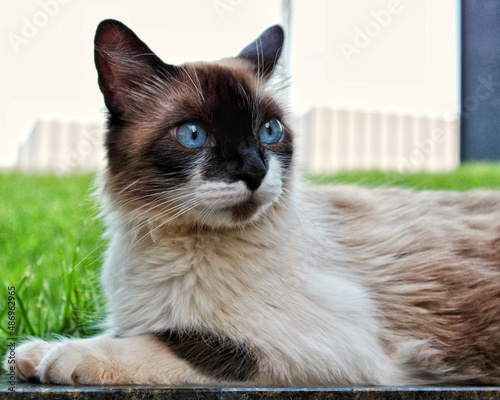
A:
x,y
399,85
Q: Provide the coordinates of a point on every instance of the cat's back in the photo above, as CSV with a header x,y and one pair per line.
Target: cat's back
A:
x,y
431,261
465,224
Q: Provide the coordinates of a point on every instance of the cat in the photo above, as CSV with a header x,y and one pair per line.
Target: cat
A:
x,y
225,268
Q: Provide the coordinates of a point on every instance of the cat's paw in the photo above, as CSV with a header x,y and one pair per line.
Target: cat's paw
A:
x,y
28,357
76,363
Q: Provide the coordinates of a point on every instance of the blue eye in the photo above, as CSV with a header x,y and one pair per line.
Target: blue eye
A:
x,y
191,135
271,131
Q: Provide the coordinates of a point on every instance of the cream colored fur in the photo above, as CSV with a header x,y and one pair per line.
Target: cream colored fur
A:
x,y
309,284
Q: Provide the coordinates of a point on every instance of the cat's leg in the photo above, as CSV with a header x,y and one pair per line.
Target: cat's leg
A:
x,y
105,360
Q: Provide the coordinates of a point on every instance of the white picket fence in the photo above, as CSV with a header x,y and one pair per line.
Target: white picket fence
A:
x,y
328,141
62,147
333,140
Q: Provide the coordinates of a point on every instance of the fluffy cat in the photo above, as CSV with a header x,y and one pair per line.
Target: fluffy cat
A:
x,y
223,268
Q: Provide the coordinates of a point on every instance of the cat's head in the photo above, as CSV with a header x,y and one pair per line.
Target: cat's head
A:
x,y
202,143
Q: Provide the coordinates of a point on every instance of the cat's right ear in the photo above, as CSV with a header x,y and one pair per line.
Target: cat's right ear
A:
x,y
123,63
265,51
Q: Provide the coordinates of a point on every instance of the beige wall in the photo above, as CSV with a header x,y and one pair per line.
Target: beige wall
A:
x,y
405,59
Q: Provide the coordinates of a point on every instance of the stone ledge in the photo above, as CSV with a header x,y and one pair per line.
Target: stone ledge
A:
x,y
32,391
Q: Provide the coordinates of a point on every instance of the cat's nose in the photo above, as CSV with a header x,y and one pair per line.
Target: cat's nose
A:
x,y
253,179
252,169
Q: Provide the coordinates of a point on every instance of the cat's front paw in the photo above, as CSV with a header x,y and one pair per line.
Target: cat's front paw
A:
x,y
76,363
28,357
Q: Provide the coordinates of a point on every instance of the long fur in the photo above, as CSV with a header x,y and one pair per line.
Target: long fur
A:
x,y
209,282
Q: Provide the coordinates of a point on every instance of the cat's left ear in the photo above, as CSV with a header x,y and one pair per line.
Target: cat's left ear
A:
x,y
265,51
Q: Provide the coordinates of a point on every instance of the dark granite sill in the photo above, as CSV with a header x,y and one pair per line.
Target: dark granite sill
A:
x,y
32,391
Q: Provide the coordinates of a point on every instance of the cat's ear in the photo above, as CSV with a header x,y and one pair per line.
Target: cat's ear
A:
x,y
265,51
123,63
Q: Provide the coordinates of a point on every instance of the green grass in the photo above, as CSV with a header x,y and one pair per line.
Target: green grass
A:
x,y
469,176
50,252
50,248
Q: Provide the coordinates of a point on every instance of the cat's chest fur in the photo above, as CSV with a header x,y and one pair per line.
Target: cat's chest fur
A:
x,y
193,274
257,285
